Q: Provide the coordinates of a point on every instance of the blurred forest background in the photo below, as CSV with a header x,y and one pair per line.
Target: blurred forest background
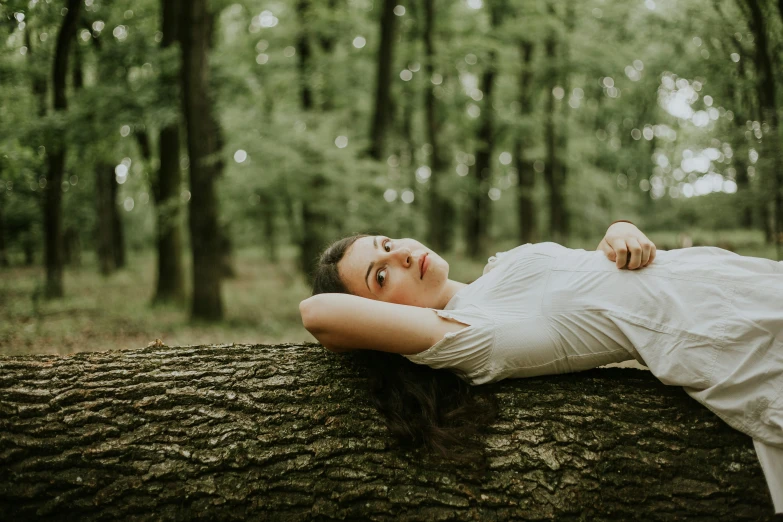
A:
x,y
170,169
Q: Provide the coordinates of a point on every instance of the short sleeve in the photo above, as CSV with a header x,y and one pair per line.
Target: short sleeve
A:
x,y
466,352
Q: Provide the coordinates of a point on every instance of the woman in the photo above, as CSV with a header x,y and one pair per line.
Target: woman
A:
x,y
702,318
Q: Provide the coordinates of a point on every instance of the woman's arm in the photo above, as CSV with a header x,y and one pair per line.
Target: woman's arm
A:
x,y
625,244
343,322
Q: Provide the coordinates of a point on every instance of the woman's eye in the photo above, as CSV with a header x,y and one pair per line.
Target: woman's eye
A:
x,y
381,277
387,244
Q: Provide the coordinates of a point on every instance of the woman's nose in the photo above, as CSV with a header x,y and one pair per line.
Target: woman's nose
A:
x,y
404,255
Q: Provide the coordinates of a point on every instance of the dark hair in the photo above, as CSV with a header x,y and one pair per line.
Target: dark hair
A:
x,y
421,406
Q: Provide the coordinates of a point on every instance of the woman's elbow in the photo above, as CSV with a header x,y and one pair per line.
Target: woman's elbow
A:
x,y
307,310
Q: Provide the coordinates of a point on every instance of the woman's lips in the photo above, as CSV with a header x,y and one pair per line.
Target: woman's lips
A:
x,y
423,265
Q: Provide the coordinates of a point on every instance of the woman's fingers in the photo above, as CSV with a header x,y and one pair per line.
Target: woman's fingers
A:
x,y
646,251
621,251
635,251
604,247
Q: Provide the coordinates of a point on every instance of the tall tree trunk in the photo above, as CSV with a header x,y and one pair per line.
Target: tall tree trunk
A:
x,y
205,163
71,240
106,207
480,211
305,52
314,219
313,225
528,227
744,189
564,69
382,113
78,72
440,208
552,164
771,148
327,46
52,197
286,433
170,283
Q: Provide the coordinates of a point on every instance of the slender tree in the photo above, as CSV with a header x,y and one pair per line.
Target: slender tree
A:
x,y
327,38
552,163
52,201
741,108
205,164
564,71
105,205
382,112
314,219
765,83
170,284
440,208
528,232
479,208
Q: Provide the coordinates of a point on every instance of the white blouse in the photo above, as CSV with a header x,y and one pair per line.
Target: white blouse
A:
x,y
703,318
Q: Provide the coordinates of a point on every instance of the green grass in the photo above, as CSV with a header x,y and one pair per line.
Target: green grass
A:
x,y
261,302
110,313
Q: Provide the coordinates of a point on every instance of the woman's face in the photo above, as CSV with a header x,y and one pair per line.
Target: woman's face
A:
x,y
390,270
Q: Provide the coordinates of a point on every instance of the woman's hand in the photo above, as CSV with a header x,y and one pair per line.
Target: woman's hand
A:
x,y
625,244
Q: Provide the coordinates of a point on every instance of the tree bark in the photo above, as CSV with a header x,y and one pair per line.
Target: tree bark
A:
x,y
327,39
765,83
569,23
552,167
441,209
313,217
382,113
286,433
170,284
52,192
479,212
305,51
313,223
106,206
205,163
528,227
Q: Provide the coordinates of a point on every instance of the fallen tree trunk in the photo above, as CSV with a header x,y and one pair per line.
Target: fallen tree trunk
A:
x,y
285,433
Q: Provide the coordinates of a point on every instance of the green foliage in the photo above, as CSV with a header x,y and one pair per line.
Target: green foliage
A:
x,y
628,78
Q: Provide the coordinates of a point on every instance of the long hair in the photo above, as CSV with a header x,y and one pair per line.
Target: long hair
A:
x,y
421,406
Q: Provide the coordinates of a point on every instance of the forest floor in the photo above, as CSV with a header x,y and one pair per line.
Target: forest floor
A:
x,y
261,302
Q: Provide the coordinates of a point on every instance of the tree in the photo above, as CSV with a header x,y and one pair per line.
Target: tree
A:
x,y
382,110
479,210
106,205
52,192
205,163
170,285
441,209
287,433
765,83
528,232
314,219
553,164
